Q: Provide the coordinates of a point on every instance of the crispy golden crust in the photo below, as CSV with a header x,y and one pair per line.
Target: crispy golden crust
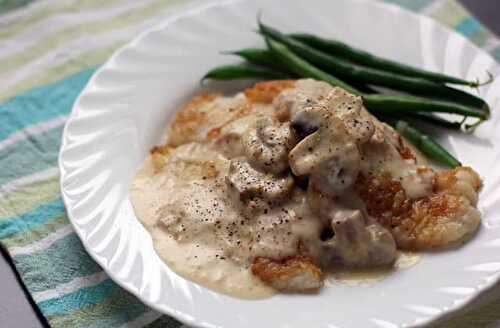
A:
x,y
196,116
265,92
189,118
444,218
446,180
432,222
404,150
215,132
385,198
159,150
158,157
293,274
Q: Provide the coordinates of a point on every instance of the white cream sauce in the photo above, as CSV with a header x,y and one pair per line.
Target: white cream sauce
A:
x,y
200,258
215,206
199,232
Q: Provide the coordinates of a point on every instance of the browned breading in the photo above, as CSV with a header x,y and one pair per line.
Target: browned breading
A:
x,y
430,223
209,170
439,220
158,157
447,179
241,112
265,92
385,198
294,274
159,150
189,118
404,150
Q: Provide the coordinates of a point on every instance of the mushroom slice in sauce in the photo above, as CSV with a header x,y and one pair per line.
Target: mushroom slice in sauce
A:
x,y
305,123
330,155
349,109
248,182
357,244
267,143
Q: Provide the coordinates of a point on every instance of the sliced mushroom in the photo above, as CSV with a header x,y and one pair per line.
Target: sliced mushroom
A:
x,y
306,93
305,123
229,141
267,143
357,244
248,182
330,155
349,108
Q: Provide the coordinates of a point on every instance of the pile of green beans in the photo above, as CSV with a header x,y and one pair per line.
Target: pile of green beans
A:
x,y
367,59
356,71
345,69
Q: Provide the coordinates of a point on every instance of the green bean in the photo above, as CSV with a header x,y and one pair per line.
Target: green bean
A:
x,y
228,72
300,67
363,57
383,103
256,56
409,104
425,143
366,75
265,58
363,88
431,119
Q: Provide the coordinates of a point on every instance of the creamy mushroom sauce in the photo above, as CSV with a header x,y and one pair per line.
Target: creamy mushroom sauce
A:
x,y
216,204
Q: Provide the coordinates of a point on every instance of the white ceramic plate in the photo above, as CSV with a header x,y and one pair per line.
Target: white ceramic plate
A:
x,y
126,106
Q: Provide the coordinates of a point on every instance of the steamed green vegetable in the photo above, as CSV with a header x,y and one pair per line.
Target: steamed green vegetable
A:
x,y
264,57
257,56
429,118
356,71
227,72
425,143
347,70
302,68
365,58
385,103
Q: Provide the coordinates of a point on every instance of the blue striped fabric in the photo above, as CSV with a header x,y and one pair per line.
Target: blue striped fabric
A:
x,y
66,258
42,103
31,219
78,299
31,155
414,5
6,5
63,261
468,26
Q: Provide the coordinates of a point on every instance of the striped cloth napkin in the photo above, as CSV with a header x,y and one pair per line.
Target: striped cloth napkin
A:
x,y
48,51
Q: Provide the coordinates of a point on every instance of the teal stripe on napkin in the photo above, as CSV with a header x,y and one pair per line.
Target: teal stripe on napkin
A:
x,y
31,155
6,5
61,263
413,5
468,26
40,215
42,103
78,299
